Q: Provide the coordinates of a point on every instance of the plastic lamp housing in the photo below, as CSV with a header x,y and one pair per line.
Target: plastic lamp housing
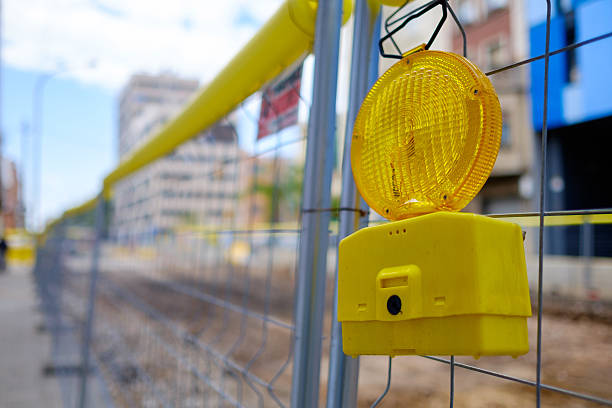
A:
x,y
426,136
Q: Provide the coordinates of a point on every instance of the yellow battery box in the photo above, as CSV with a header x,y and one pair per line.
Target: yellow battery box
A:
x,y
444,283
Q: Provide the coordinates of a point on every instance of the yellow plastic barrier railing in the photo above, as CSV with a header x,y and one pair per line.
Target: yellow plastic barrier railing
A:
x,y
286,37
83,208
561,220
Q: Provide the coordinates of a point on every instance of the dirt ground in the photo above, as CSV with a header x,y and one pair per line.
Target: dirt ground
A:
x,y
577,355
577,348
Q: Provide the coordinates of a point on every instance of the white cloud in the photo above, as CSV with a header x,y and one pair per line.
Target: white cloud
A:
x,y
189,37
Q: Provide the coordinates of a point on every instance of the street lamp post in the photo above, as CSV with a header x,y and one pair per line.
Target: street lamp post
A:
x,y
37,121
37,118
22,169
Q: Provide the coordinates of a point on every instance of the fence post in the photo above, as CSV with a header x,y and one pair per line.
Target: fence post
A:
x,y
316,197
344,370
88,329
587,252
52,269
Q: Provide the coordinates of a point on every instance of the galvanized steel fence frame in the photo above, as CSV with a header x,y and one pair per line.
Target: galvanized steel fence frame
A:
x,y
196,359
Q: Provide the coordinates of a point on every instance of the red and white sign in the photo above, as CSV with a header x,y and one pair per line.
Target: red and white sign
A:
x,y
279,104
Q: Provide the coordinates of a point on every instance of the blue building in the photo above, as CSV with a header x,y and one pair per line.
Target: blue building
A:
x,y
579,113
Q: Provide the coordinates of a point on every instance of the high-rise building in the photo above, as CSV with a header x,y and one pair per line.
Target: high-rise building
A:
x,y
194,185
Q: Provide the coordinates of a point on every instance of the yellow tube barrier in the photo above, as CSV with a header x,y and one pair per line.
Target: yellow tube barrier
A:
x,y
561,220
286,37
83,208
89,205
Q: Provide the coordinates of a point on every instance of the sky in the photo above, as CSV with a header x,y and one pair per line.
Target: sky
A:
x,y
93,46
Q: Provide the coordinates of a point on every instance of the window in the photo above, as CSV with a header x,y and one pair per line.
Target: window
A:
x,y
468,12
571,74
493,5
215,213
495,54
506,140
175,176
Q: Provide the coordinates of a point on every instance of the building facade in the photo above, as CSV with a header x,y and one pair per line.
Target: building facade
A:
x,y
579,115
497,36
12,200
197,184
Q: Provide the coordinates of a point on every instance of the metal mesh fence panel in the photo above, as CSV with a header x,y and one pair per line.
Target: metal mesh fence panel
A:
x,y
195,301
195,292
570,294
207,284
61,272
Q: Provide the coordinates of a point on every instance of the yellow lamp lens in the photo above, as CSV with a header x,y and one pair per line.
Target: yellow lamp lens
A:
x,y
426,136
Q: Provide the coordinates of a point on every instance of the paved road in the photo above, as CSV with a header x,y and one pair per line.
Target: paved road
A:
x,y
23,350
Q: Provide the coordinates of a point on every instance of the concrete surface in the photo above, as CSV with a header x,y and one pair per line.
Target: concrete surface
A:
x,y
23,350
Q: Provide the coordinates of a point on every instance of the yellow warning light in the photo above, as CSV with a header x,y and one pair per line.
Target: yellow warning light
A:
x,y
426,136
435,281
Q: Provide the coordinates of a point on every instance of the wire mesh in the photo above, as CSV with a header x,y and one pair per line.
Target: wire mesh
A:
x,y
563,366
62,275
214,290
197,279
195,294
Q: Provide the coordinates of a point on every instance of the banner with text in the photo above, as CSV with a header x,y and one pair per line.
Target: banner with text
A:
x,y
279,104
